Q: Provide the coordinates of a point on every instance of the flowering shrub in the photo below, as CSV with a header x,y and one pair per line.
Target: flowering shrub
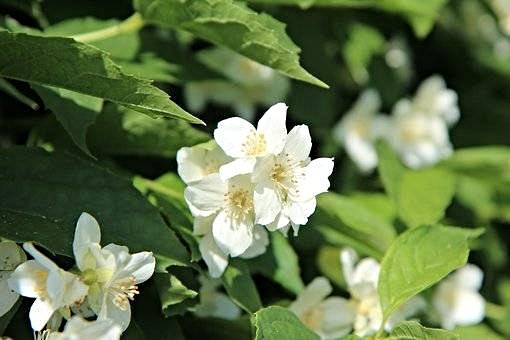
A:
x,y
325,169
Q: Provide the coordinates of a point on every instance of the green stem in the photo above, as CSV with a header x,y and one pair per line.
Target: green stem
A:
x,y
131,24
159,188
494,311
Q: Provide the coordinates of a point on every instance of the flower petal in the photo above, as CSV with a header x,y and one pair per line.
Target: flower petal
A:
x,y
299,212
469,277
272,126
40,312
213,256
78,328
205,197
311,296
141,266
28,278
190,163
233,236
231,134
299,143
109,311
267,204
339,315
39,257
87,232
239,166
259,245
203,225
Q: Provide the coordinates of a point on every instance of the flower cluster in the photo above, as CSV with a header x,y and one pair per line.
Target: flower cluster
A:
x,y
249,180
104,282
455,300
247,83
417,129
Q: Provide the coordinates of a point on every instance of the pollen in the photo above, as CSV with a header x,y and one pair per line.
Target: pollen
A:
x,y
239,202
254,145
123,291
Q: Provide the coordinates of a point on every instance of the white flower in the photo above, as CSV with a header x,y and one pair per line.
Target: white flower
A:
x,y
241,141
11,256
248,83
215,258
420,139
457,300
214,303
287,183
362,279
433,98
232,204
196,162
330,318
79,329
359,129
111,272
52,287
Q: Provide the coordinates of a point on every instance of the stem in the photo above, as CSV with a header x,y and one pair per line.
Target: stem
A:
x,y
156,187
131,24
494,311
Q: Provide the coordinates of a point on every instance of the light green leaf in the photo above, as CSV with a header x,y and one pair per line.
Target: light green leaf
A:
x,y
75,111
477,332
364,42
240,286
278,323
48,192
412,330
328,262
81,68
419,258
174,295
8,88
424,196
390,170
151,67
231,24
346,222
378,203
123,45
279,263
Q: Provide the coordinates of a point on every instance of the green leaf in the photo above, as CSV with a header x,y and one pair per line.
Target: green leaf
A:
x,y
48,192
424,196
240,286
231,24
278,323
352,223
8,88
81,68
363,44
75,111
151,67
7,317
123,45
328,262
421,196
412,330
279,263
477,332
215,328
175,296
419,258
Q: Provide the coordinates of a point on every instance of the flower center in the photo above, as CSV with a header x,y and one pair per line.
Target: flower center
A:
x,y
412,130
361,127
285,174
254,145
313,318
123,291
40,283
239,202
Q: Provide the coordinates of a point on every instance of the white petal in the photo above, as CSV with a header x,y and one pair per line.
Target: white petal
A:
x,y
300,211
87,232
230,135
404,312
281,221
348,259
339,315
267,204
362,152
190,163
11,255
65,288
109,311
233,236
203,225
78,328
8,296
366,271
259,245
239,166
272,126
220,306
315,179
469,276
213,256
205,197
311,296
40,312
39,257
141,265
299,143
26,279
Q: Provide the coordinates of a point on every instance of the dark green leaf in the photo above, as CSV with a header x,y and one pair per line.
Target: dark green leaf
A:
x,y
240,286
412,330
